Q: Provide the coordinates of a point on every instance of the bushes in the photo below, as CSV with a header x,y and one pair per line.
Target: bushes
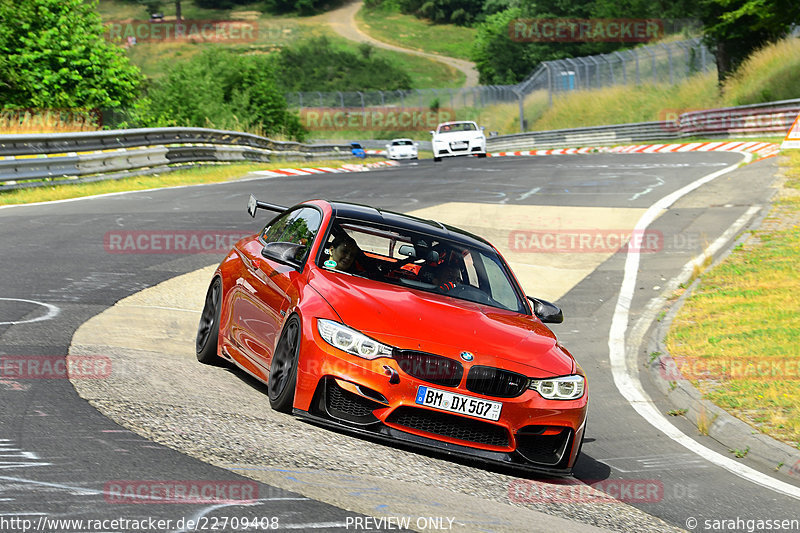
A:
x,y
318,65
221,89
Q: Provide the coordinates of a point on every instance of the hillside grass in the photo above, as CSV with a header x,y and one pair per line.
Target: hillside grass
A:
x,y
387,24
772,73
155,59
739,331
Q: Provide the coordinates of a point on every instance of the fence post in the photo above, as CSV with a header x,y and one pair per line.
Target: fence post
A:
x,y
577,73
622,65
669,60
653,56
610,69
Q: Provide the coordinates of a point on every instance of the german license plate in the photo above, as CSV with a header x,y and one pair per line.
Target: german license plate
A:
x,y
458,403
459,145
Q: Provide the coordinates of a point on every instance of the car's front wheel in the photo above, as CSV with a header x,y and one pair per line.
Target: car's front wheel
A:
x,y
283,369
208,329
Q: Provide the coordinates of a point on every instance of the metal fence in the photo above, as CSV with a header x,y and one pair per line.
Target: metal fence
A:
x,y
661,63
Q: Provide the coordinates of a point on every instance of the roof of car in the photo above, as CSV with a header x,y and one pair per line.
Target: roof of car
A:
x,y
407,222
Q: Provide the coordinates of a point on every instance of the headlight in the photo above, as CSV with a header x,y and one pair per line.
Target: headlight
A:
x,y
351,341
564,388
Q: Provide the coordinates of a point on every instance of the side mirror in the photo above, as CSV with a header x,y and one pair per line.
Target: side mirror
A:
x,y
547,312
432,132
283,252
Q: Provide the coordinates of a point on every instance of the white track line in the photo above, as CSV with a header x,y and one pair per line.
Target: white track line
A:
x,y
627,381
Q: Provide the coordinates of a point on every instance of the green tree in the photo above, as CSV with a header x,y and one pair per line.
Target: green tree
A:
x,y
53,55
736,28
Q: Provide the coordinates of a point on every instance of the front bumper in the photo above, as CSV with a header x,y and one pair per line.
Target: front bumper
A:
x,y
457,148
406,155
376,398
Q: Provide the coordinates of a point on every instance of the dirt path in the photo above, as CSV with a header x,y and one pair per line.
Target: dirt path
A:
x,y
342,20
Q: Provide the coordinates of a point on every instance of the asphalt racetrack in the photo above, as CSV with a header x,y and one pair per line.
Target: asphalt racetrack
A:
x,y
148,419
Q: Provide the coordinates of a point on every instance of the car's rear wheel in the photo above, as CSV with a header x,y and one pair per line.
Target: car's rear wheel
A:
x,y
283,369
208,329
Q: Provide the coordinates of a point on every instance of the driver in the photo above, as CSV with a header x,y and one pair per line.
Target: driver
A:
x,y
344,252
448,275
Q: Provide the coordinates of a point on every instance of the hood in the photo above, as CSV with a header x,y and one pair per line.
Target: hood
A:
x,y
415,320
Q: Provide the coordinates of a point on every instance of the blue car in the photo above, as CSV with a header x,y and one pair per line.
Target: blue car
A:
x,y
357,150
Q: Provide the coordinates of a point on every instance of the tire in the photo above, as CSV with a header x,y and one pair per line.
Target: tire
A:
x,y
208,329
482,155
437,159
283,369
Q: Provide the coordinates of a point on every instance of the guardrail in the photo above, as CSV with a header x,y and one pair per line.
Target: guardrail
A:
x,y
752,120
27,160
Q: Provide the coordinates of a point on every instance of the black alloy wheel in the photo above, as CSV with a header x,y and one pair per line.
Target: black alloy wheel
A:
x,y
208,329
283,369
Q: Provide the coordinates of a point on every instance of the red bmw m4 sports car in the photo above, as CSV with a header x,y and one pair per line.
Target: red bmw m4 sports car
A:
x,y
400,328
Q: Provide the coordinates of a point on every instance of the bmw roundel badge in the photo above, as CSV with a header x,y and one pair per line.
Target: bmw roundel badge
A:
x,y
467,356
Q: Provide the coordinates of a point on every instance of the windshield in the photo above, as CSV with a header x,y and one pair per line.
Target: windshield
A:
x,y
458,126
422,262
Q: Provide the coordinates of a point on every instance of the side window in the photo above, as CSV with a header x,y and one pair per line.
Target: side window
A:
x,y
297,227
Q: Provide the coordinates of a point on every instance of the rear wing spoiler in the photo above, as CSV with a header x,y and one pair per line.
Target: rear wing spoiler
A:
x,y
254,205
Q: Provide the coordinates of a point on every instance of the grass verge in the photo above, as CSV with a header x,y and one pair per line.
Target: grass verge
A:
x,y
189,176
738,333
407,31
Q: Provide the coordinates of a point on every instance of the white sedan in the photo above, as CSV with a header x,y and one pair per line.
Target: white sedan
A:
x,y
458,138
402,149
